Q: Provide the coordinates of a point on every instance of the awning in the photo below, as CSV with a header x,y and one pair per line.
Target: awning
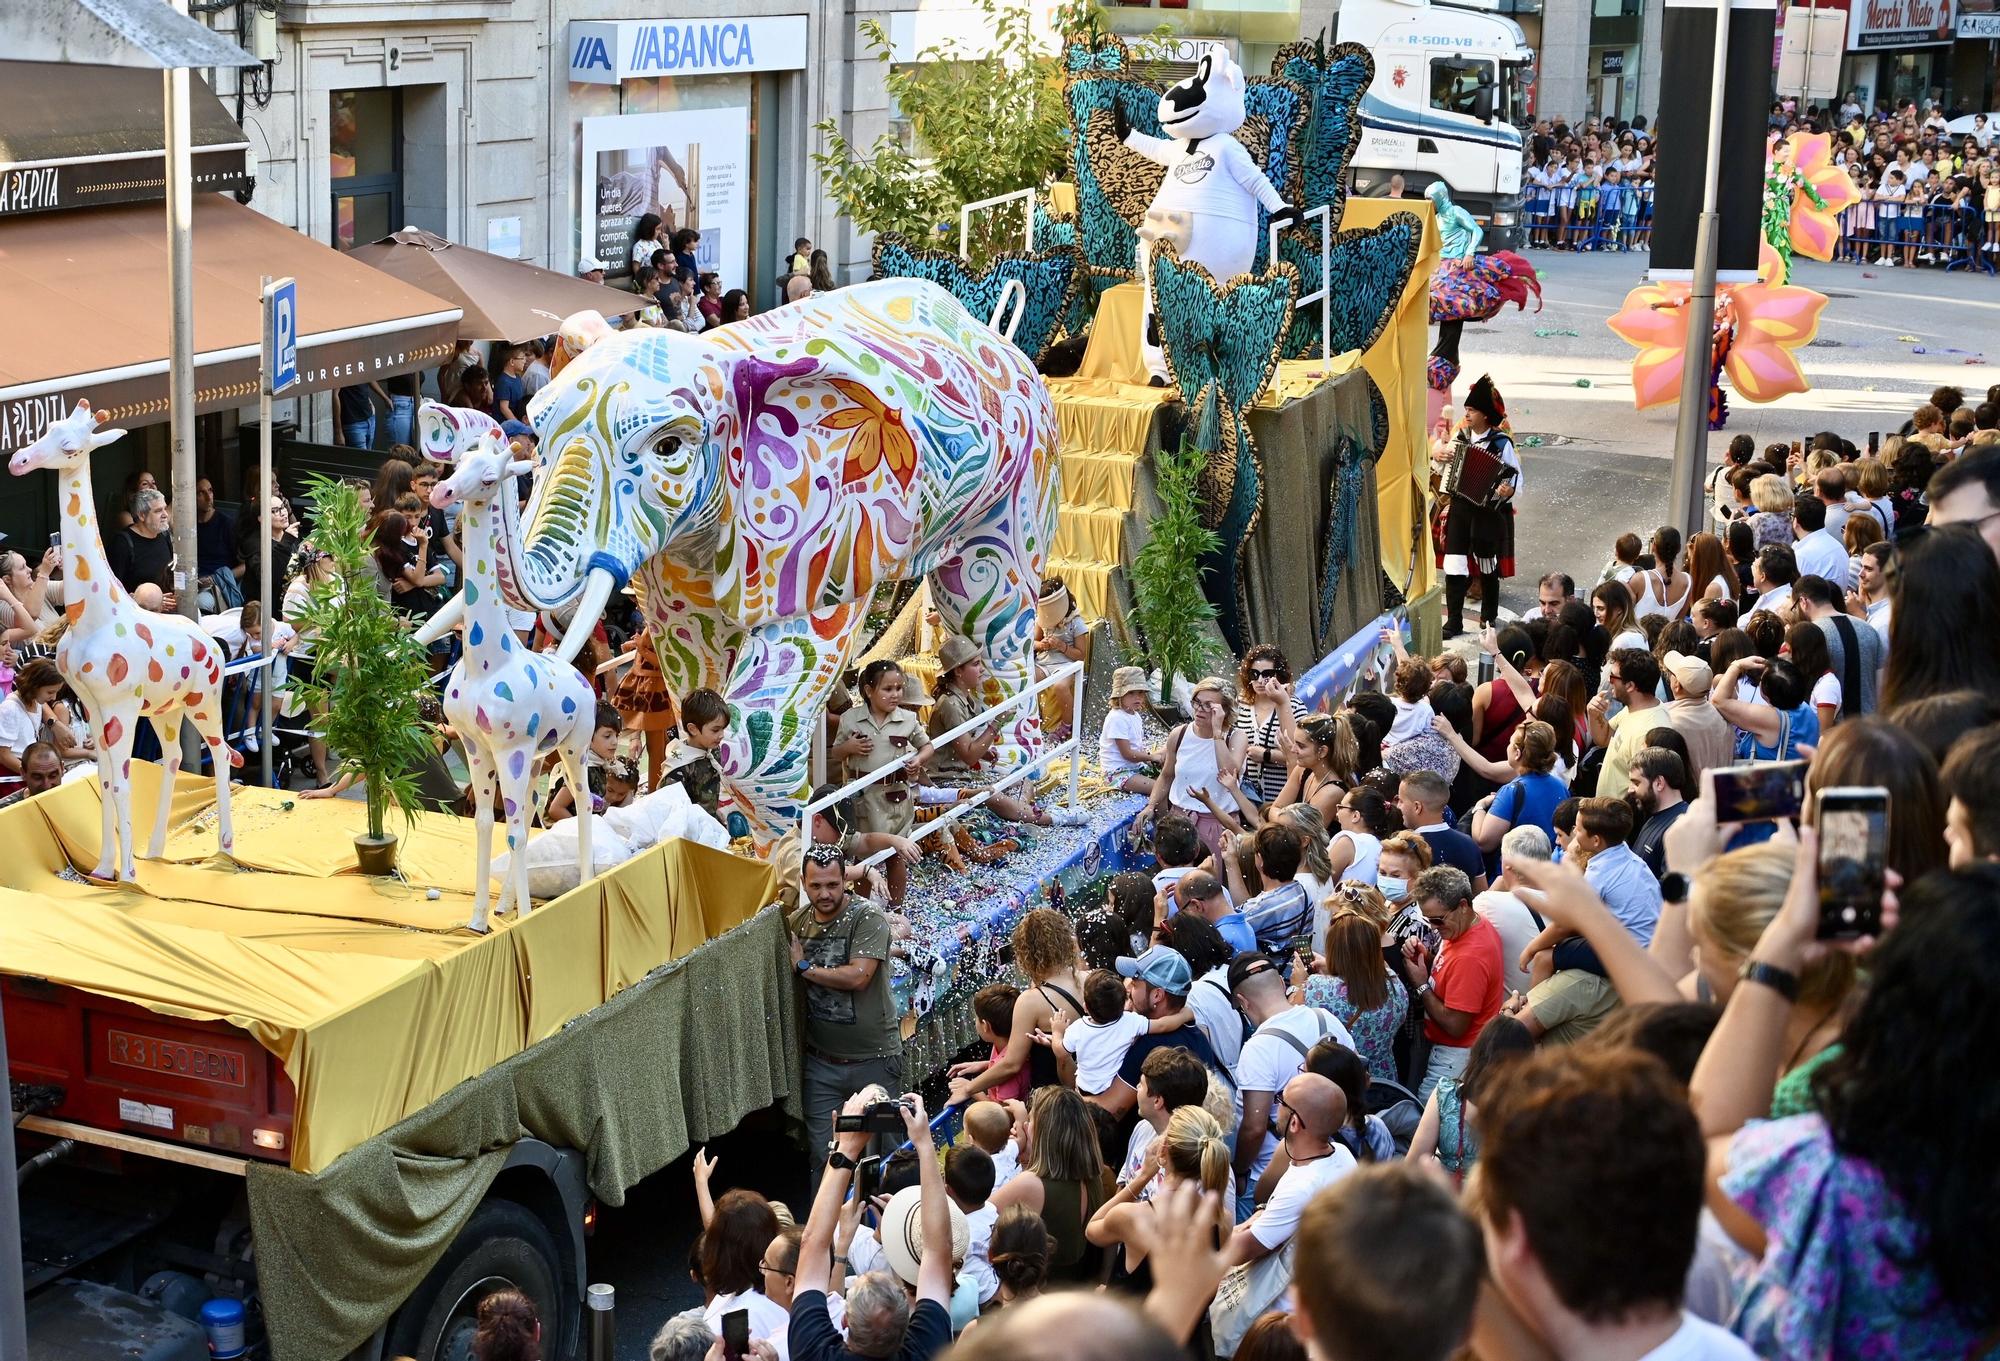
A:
x,y
86,296
503,299
87,136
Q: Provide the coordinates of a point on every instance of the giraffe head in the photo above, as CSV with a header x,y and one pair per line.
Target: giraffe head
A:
x,y
67,443
480,471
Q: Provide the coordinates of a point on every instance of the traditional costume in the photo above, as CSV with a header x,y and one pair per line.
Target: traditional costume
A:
x,y
1478,535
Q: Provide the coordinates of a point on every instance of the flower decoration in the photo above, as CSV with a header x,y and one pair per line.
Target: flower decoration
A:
x,y
1816,225
1760,325
878,435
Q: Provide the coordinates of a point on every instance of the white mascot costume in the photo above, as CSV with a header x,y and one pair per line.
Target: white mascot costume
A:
x,y
1207,204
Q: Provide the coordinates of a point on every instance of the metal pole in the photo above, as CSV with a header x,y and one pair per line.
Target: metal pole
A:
x,y
1688,510
266,632
13,1284
601,1344
180,390
1076,726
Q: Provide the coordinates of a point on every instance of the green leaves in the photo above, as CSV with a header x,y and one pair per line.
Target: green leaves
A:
x,y
1166,574
984,125
370,677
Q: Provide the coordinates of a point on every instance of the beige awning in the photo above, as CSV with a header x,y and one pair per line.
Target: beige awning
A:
x,y
86,297
503,299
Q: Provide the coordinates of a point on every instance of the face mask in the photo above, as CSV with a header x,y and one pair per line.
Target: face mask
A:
x,y
1393,889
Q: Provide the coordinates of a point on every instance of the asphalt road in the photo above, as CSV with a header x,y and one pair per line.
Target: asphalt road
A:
x,y
1602,468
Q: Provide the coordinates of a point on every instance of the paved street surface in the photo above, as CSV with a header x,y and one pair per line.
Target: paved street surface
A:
x,y
1604,467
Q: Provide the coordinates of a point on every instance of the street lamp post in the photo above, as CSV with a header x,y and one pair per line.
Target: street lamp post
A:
x,y
1689,507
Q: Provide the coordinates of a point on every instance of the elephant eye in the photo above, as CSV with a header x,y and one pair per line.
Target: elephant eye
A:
x,y
666,446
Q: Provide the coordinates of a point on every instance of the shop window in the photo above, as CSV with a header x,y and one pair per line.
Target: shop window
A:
x,y
365,165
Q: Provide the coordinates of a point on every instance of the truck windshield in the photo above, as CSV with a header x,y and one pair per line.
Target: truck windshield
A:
x,y
1456,83
1515,79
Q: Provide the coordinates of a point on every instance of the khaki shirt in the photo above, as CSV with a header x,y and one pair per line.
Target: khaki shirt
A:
x,y
889,805
950,710
842,1024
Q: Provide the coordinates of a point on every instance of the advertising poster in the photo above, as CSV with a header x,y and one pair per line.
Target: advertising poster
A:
x,y
691,167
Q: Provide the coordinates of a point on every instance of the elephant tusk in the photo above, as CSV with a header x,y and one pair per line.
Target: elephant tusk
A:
x,y
443,622
596,593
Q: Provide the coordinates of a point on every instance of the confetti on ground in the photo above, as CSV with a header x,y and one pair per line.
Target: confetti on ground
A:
x,y
1908,340
1546,331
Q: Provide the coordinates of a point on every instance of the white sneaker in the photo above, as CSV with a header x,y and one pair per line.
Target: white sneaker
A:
x,y
1929,257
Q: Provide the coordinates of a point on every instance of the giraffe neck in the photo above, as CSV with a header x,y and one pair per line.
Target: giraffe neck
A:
x,y
86,571
485,608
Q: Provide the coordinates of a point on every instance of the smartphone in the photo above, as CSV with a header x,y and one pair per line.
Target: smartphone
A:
x,y
1761,791
1487,667
736,1334
1853,823
1798,448
1874,442
868,1176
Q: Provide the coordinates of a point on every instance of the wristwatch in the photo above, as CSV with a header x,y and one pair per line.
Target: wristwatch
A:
x,y
1781,981
1673,887
1424,987
839,1161
803,966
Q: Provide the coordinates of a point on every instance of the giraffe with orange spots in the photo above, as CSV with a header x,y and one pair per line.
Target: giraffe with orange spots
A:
x,y
123,662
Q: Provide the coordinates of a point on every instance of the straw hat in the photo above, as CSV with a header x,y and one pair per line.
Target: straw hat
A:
x,y
914,694
1053,606
956,652
902,1233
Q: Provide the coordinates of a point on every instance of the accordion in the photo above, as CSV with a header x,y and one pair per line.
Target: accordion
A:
x,y
1474,473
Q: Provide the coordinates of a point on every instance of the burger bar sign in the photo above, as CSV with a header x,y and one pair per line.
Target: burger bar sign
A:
x,y
1898,23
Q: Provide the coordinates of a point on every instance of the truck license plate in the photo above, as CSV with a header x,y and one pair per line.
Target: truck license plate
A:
x,y
156,1055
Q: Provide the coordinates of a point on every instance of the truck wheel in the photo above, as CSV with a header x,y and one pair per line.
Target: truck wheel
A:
x,y
502,1247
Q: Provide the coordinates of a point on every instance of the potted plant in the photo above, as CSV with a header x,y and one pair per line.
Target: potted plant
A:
x,y
369,674
1166,574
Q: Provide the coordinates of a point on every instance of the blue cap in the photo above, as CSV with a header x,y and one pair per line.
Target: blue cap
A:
x,y
513,428
1162,967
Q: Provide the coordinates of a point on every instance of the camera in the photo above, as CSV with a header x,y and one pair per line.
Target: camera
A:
x,y
877,1117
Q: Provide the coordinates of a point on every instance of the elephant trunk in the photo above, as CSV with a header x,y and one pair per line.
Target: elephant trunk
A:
x,y
566,523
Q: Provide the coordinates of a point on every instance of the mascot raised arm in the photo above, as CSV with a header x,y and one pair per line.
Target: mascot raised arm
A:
x,y
1207,204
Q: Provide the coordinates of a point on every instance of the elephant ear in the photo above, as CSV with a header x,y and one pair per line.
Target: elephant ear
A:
x,y
1226,334
1048,280
1370,268
1335,81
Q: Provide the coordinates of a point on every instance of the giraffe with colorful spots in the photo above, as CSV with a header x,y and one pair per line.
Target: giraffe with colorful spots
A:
x,y
123,662
510,706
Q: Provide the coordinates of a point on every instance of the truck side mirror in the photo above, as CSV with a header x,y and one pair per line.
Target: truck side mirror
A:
x,y
1482,103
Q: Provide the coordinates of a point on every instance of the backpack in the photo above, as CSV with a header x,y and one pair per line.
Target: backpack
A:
x,y
1244,1021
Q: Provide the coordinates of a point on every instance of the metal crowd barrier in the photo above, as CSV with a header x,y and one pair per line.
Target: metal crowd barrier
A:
x,y
1939,234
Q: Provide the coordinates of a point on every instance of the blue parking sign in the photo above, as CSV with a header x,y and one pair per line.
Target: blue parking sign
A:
x,y
281,334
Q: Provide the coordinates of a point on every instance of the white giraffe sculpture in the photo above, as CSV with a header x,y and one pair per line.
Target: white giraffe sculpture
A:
x,y
509,705
125,662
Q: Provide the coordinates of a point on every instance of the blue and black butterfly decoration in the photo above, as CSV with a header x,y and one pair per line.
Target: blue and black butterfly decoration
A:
x,y
1049,279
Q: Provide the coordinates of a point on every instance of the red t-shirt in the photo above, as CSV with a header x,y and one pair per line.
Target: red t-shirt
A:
x,y
1468,977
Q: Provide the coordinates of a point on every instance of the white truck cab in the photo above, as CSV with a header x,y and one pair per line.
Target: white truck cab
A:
x,y
1450,91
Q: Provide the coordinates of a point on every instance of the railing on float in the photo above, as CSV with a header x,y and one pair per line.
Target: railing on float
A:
x,y
1027,197
1324,297
1070,672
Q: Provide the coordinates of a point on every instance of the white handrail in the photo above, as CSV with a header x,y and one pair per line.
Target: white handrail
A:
x,y
1012,289
1072,672
1324,297
1027,197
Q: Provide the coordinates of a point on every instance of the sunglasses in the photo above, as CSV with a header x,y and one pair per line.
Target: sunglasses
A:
x,y
1265,672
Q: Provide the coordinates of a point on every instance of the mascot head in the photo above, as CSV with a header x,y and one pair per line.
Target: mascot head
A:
x,y
1208,103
